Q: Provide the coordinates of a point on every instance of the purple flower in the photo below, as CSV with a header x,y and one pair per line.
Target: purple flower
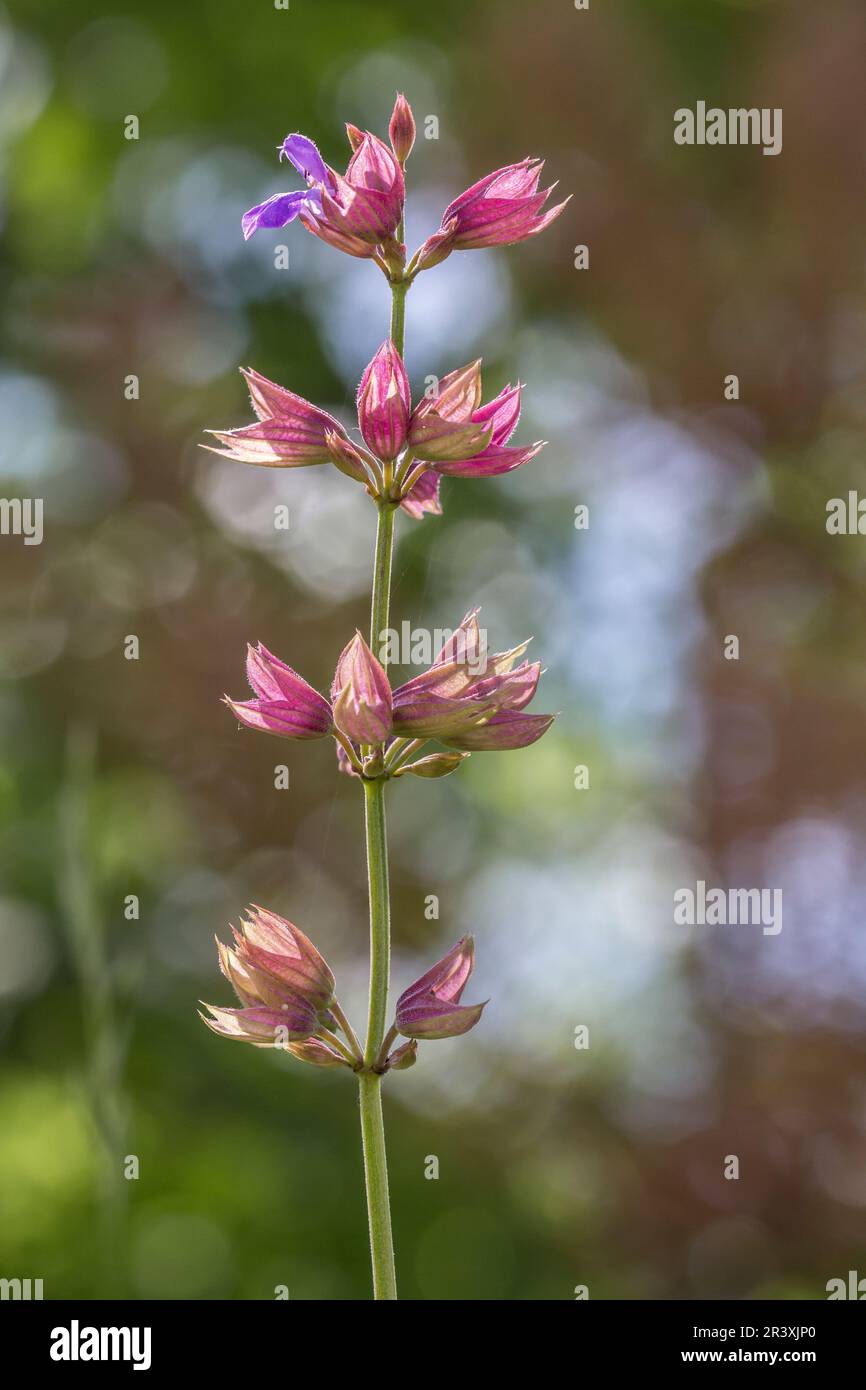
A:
x,y
284,986
502,208
354,211
449,432
430,1008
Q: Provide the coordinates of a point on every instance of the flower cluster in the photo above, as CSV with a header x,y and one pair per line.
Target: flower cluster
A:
x,y
287,996
402,451
469,700
360,212
285,988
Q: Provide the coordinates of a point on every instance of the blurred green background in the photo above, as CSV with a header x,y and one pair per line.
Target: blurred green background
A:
x,y
557,1167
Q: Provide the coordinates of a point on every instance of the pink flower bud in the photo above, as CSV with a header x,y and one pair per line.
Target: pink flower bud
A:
x,y
316,1052
502,732
462,438
502,208
346,456
273,944
401,129
437,248
431,1008
284,985
368,202
469,699
361,695
286,704
384,403
289,433
434,765
404,1056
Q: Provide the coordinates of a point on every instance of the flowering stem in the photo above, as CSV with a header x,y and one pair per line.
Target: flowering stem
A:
x,y
370,1081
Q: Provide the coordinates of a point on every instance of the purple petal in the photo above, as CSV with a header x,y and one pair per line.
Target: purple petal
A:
x,y
301,152
279,210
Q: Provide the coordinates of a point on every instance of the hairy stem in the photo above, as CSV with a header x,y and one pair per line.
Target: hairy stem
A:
x,y
370,1083
380,916
376,1172
398,315
380,603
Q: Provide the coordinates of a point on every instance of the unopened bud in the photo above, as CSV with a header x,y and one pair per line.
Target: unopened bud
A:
x,y
404,1057
401,128
436,765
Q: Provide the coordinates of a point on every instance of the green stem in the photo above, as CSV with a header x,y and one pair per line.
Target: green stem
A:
x,y
380,603
398,315
369,1081
376,1172
380,916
